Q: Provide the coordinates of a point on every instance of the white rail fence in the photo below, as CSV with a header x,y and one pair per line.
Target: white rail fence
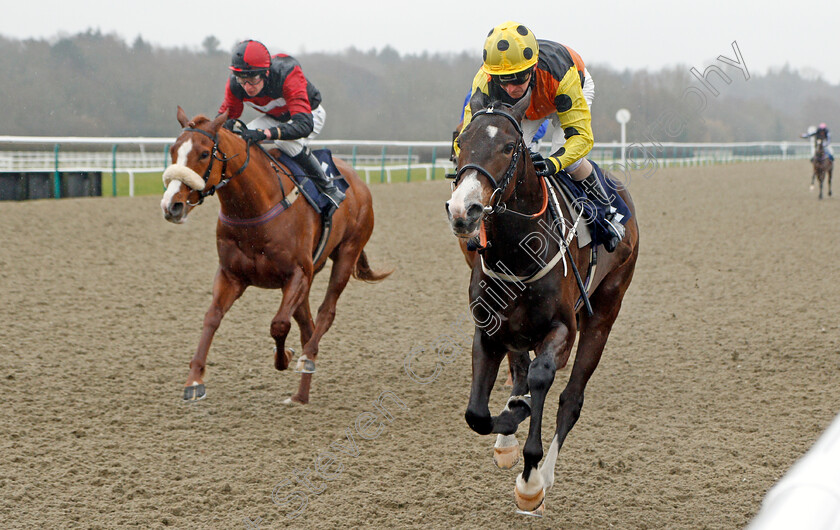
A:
x,y
374,158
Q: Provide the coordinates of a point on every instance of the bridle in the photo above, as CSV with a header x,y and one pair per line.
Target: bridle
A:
x,y
502,184
216,154
499,186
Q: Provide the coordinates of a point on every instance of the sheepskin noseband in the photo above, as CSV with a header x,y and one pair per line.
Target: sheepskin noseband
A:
x,y
184,174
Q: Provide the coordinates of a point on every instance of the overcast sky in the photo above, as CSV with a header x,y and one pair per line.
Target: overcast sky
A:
x,y
620,33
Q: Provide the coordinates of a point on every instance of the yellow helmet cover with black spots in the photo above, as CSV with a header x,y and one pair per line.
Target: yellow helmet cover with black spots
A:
x,y
510,48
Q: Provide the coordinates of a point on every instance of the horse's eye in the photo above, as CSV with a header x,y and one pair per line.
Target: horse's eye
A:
x,y
205,154
509,148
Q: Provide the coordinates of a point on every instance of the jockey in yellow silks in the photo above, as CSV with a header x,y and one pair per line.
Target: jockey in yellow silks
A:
x,y
561,90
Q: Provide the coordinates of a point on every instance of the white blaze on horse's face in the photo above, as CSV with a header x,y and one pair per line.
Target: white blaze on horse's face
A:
x,y
175,176
172,190
464,207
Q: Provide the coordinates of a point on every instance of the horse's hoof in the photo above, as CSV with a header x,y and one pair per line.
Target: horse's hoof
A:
x,y
305,365
293,401
195,392
533,513
506,457
282,364
533,505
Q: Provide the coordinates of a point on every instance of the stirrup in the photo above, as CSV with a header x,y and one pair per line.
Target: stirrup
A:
x,y
617,232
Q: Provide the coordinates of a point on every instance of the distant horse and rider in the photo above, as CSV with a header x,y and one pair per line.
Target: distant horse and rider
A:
x,y
823,166
270,234
823,159
499,200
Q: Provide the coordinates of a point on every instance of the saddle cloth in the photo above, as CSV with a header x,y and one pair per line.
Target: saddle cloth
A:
x,y
317,199
575,194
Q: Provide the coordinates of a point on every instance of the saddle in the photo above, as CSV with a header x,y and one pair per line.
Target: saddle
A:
x,y
311,193
307,188
589,207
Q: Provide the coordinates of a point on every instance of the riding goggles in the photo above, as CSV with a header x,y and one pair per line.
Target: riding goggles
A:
x,y
252,81
513,79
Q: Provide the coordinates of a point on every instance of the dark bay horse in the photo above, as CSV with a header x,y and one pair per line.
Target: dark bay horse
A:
x,y
265,237
520,304
823,165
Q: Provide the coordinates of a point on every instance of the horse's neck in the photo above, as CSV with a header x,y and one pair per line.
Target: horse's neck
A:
x,y
512,237
255,190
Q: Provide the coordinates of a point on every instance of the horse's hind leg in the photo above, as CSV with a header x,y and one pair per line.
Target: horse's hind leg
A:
x,y
226,289
594,331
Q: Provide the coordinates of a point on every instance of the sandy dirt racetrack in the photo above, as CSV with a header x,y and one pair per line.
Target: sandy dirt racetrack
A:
x,y
722,369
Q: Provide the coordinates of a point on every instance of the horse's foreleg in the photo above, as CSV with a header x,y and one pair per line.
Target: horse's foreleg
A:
x,y
518,407
830,171
342,269
529,492
303,317
486,359
226,289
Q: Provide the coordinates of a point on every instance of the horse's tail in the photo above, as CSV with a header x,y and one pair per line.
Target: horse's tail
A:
x,y
363,271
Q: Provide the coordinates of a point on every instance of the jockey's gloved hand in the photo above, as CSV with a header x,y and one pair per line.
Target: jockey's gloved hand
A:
x,y
547,166
230,124
253,135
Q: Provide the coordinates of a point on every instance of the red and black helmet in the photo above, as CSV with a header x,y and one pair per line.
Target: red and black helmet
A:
x,y
250,58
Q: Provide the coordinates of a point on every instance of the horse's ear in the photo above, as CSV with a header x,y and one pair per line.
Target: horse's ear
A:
x,y
218,122
477,102
521,106
182,117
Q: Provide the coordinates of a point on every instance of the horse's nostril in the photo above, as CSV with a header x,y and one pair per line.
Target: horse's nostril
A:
x,y
176,209
474,211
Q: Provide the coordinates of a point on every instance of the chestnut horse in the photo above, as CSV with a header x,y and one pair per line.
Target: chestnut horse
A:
x,y
822,165
266,237
518,303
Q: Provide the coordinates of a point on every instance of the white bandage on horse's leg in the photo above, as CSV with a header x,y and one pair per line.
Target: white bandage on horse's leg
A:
x,y
547,467
506,440
533,486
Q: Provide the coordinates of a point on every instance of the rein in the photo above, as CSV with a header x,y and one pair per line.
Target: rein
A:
x,y
217,154
500,208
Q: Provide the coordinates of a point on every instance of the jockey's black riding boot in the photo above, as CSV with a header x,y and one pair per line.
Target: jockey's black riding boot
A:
x,y
596,191
313,168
